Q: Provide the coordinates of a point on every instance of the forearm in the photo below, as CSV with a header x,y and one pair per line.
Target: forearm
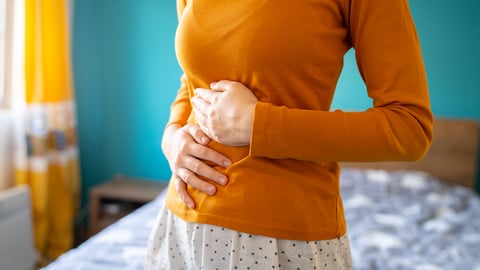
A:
x,y
181,107
179,113
379,134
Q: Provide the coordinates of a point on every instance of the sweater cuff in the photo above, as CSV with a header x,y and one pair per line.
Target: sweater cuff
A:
x,y
258,129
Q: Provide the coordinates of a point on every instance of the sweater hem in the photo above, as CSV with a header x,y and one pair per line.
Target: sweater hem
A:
x,y
246,227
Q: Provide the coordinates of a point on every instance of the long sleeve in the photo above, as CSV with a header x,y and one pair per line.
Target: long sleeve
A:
x,y
181,107
397,127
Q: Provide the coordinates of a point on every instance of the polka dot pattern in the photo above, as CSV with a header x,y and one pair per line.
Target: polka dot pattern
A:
x,y
176,244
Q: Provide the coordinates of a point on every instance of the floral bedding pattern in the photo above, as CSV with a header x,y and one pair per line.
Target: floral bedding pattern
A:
x,y
396,220
410,220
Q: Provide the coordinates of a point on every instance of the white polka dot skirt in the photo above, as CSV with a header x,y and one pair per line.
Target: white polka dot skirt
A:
x,y
176,244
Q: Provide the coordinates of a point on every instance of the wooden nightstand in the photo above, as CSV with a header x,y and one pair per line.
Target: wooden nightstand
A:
x,y
116,198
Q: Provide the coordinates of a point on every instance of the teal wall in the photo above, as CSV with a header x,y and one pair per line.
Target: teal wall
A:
x,y
449,33
126,76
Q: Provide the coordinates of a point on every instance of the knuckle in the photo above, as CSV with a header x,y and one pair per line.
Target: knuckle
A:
x,y
198,133
188,129
195,130
187,177
180,174
196,166
210,113
202,152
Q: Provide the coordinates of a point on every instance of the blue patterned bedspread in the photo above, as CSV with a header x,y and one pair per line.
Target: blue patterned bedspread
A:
x,y
396,220
119,246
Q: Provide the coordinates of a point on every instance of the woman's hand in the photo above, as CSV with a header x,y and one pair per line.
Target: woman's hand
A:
x,y
186,150
225,113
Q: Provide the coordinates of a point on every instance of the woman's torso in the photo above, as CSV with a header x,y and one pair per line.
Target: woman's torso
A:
x,y
289,54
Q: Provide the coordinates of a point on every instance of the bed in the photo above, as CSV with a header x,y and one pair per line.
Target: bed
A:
x,y
422,215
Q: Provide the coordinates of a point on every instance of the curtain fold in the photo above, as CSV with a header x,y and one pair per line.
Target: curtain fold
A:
x,y
46,155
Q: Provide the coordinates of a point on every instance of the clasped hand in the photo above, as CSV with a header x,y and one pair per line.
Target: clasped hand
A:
x,y
224,114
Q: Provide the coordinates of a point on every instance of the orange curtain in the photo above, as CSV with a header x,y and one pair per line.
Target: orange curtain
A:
x,y
48,162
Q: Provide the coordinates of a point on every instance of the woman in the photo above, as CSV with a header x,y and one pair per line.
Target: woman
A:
x,y
251,143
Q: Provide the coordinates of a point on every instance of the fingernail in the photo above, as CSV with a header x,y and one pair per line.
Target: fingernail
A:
x,y
211,190
213,84
204,140
227,163
222,180
190,205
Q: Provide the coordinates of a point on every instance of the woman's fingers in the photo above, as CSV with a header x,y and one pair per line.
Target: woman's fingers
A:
x,y
206,153
181,188
192,179
207,94
225,112
200,168
197,134
203,103
203,152
200,107
189,157
222,85
193,164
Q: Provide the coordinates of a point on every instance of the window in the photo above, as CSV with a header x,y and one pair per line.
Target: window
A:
x,y
12,52
3,28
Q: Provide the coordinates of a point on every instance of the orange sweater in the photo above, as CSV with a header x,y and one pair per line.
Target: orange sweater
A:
x,y
290,54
